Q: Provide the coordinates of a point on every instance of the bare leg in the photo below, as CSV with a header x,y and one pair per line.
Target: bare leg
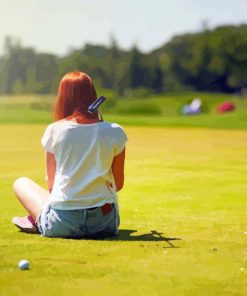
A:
x,y
31,195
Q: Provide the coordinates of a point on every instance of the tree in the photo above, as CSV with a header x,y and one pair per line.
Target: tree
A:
x,y
17,61
136,68
157,83
211,60
114,56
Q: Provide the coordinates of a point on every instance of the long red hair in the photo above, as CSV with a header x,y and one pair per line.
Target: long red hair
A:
x,y
75,93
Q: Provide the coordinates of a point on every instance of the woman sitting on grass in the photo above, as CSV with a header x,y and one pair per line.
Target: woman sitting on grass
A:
x,y
84,169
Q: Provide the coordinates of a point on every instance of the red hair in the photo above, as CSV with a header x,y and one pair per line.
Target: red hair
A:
x,y
75,93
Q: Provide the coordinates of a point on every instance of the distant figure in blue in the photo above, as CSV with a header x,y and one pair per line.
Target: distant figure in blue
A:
x,y
194,108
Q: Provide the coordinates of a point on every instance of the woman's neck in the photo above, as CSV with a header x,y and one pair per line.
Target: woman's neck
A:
x,y
79,117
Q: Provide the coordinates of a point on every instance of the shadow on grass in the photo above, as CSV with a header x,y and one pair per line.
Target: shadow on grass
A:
x,y
126,235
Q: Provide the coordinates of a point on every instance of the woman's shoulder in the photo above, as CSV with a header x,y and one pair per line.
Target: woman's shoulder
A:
x,y
111,128
114,129
112,125
56,124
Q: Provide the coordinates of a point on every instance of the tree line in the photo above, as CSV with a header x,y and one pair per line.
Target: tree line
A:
x,y
211,60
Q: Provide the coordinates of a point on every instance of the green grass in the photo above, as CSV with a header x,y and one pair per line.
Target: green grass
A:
x,y
185,183
158,110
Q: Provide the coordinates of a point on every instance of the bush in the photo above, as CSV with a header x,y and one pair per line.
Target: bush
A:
x,y
139,109
41,106
137,93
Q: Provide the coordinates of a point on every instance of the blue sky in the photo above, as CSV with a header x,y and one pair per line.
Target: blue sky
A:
x,y
58,25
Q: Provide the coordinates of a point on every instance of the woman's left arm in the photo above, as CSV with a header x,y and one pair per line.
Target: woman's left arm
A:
x,y
50,170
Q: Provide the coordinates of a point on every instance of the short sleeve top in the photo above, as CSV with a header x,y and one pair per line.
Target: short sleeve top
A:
x,y
84,154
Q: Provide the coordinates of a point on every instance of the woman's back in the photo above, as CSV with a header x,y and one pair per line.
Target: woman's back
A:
x,y
84,154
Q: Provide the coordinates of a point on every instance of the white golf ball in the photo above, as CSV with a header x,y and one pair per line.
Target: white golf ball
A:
x,y
23,265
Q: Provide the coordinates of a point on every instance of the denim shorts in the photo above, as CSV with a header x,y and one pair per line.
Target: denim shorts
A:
x,y
79,223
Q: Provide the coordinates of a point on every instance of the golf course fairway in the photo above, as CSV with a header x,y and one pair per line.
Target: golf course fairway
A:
x,y
183,217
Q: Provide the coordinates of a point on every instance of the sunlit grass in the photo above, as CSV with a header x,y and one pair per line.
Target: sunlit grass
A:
x,y
185,183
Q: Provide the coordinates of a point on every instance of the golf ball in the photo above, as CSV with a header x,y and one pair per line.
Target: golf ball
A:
x,y
23,265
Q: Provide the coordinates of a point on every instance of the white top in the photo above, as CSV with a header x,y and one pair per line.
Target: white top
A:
x,y
84,154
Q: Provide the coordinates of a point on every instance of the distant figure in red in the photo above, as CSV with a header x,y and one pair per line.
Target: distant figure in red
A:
x,y
226,107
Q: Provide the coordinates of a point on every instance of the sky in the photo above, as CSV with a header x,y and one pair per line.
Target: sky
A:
x,y
57,26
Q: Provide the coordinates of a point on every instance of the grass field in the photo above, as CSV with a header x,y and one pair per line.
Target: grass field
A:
x,y
157,110
183,215
183,208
